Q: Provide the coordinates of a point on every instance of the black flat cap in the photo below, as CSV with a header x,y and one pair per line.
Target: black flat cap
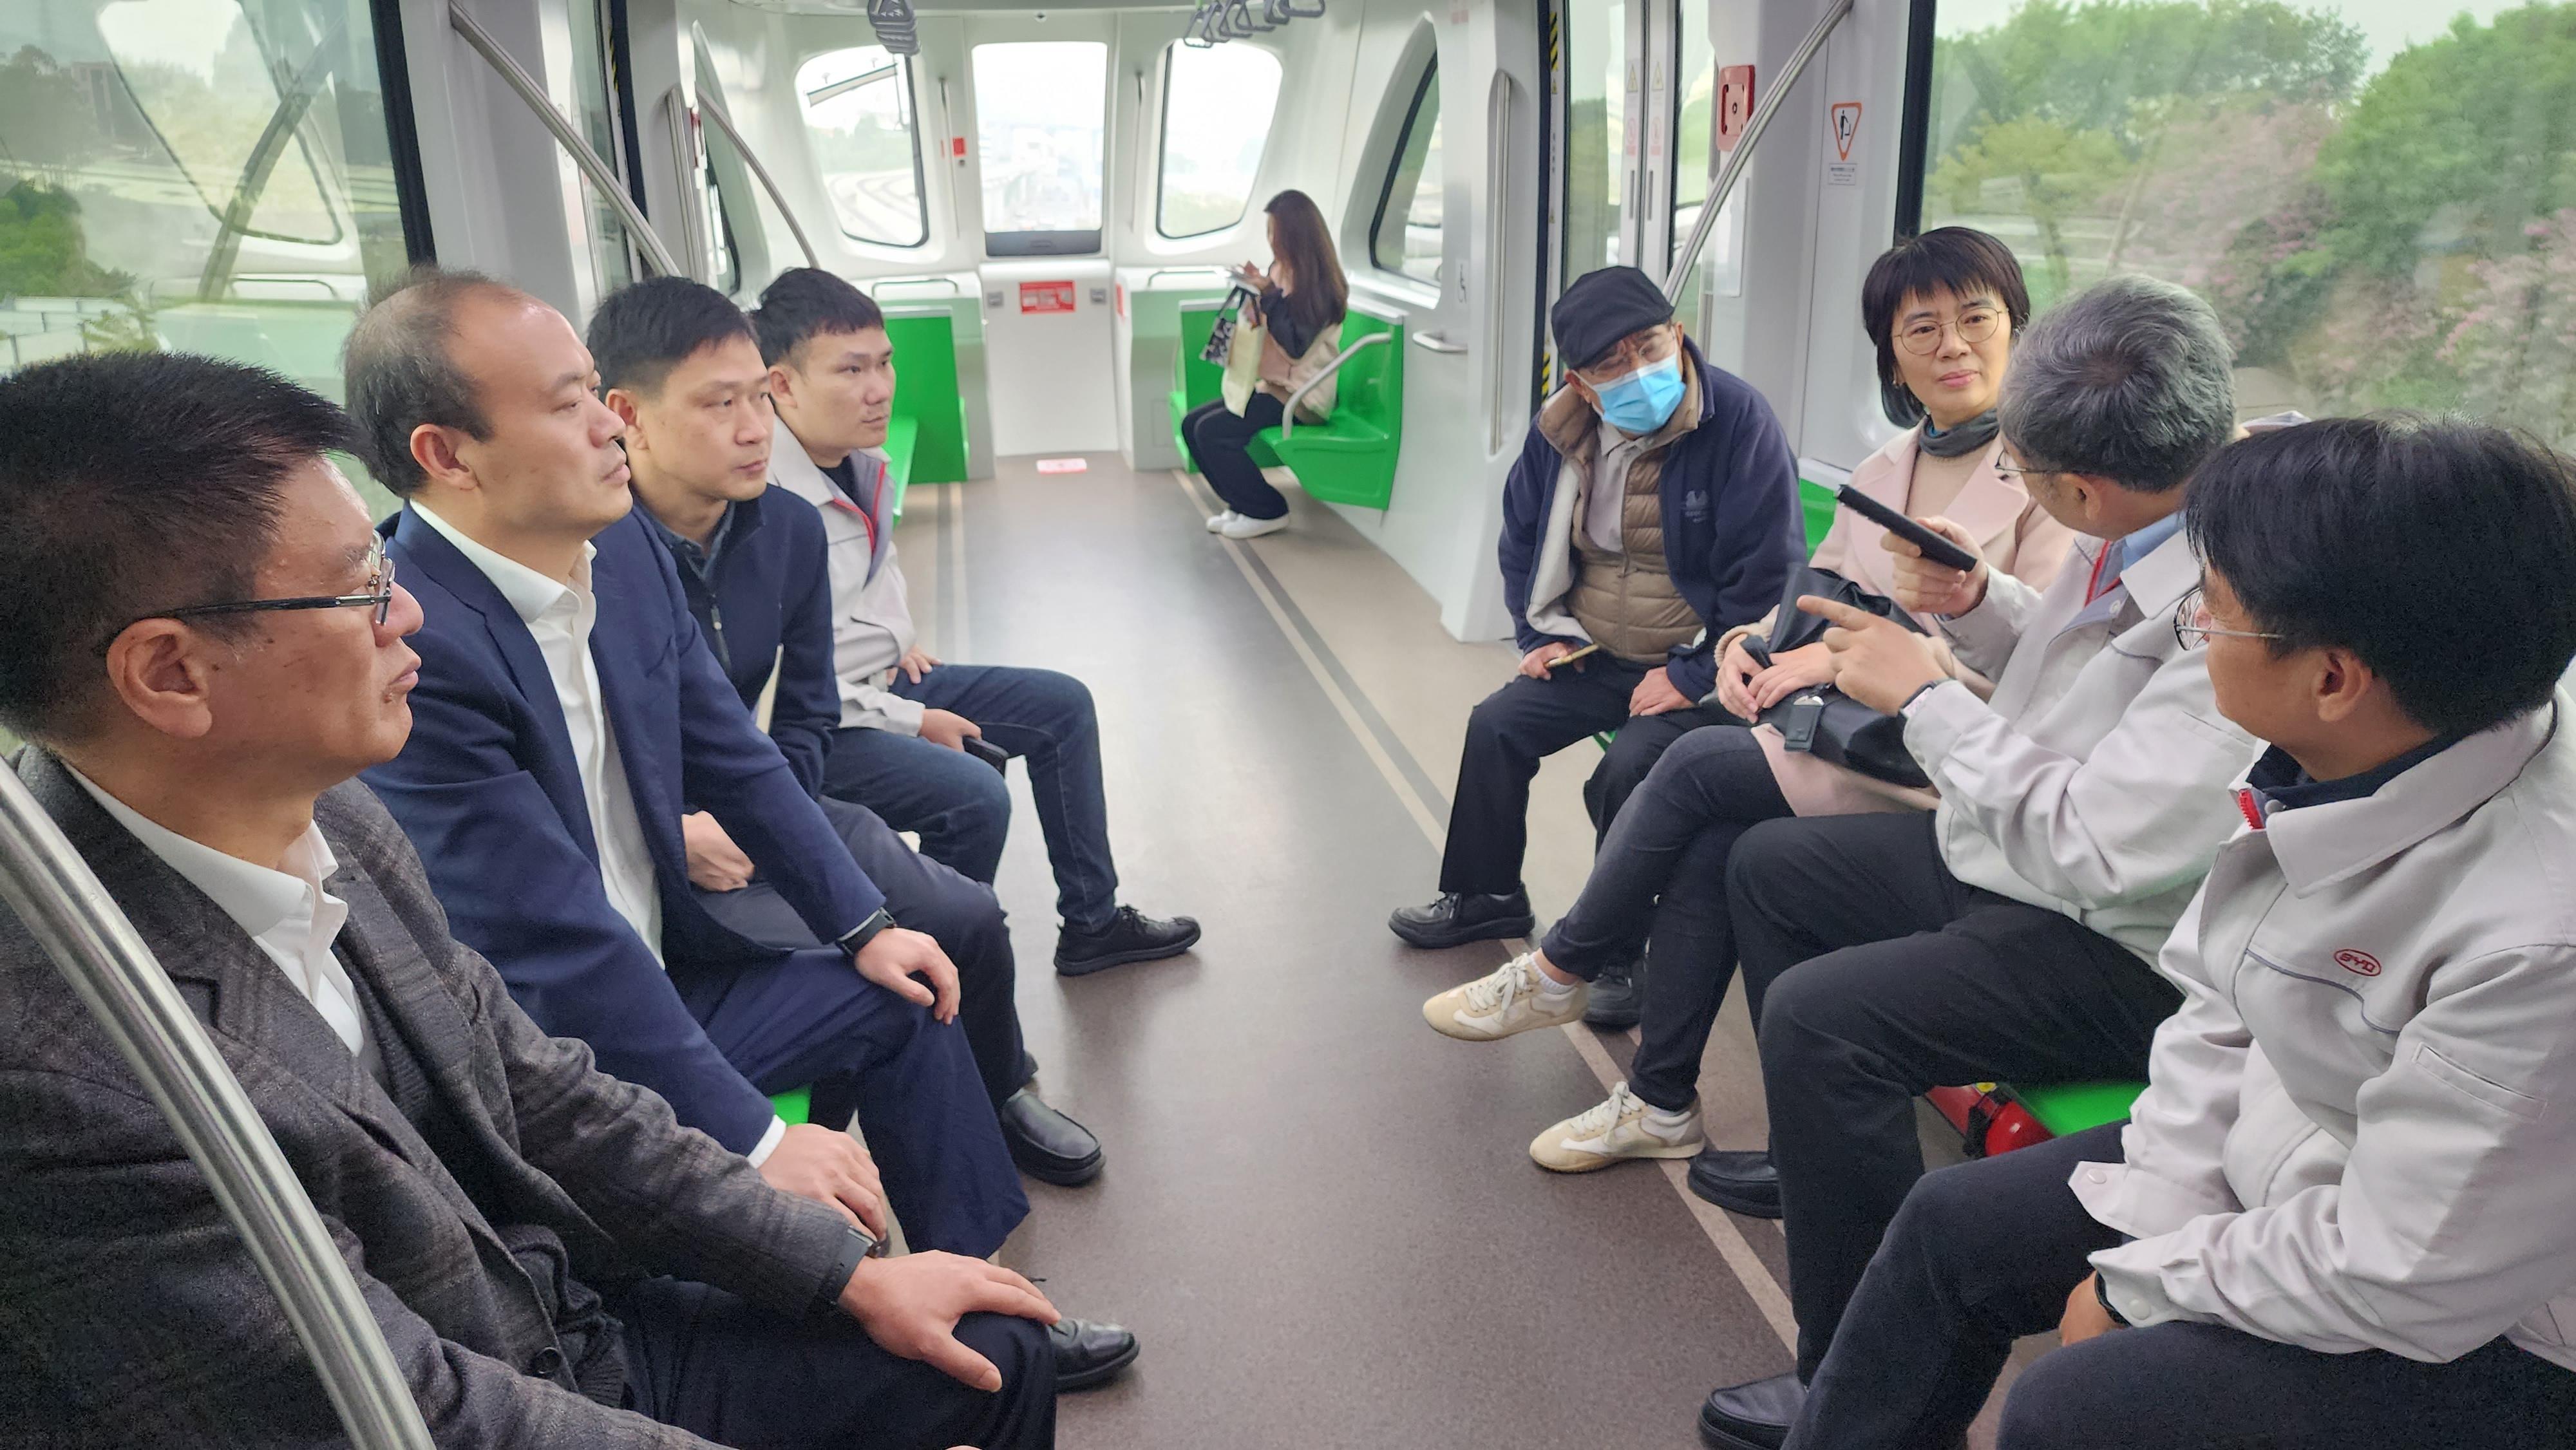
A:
x,y
1603,307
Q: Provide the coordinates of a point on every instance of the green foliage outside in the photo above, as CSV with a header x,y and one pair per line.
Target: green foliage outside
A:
x,y
2404,238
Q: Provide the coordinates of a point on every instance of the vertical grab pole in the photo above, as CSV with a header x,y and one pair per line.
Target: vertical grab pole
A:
x,y
1688,256
97,950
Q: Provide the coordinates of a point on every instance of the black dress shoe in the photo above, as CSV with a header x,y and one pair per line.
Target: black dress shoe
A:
x,y
1618,997
1458,918
1130,936
1089,1353
1047,1145
1752,1417
1737,1180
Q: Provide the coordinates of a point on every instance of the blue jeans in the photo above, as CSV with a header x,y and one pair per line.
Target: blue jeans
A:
x,y
962,807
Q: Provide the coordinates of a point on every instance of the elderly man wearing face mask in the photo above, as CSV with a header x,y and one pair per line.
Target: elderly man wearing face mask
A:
x,y
1653,507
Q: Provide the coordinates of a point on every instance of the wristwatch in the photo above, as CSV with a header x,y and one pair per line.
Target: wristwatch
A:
x,y
858,1245
865,932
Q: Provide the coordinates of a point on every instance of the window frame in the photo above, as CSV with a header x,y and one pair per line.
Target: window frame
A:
x,y
1163,150
1914,122
911,99
1035,242
1395,166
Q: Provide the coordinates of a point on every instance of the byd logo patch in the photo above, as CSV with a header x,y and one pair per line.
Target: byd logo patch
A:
x,y
2359,963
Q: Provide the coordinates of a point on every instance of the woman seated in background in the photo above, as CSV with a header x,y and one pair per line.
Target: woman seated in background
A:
x,y
1943,308
1296,325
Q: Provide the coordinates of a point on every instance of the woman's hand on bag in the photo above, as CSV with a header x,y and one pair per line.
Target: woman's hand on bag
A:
x,y
1928,588
1799,669
1735,672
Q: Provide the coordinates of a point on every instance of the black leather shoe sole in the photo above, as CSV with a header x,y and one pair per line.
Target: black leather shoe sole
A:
x,y
1753,1200
1432,939
1078,966
1069,1382
1724,1435
1046,1167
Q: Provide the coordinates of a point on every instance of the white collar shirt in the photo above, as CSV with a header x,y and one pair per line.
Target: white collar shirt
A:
x,y
560,617
286,913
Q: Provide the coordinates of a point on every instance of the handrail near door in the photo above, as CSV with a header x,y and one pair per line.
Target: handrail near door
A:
x,y
601,178
715,111
45,881
1688,256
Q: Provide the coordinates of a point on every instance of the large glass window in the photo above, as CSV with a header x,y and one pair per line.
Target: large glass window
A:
x,y
1596,131
1040,108
1406,237
859,118
1217,104
2379,198
203,175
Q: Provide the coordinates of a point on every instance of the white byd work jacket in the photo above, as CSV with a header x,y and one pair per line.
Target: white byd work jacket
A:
x,y
2360,1131
871,617
2094,782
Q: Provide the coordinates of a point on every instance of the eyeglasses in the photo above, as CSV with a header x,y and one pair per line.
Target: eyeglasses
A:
x,y
2194,626
1630,356
2021,474
1974,325
379,597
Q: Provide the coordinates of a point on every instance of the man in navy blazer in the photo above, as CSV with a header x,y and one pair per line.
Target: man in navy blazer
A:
x,y
566,710
679,365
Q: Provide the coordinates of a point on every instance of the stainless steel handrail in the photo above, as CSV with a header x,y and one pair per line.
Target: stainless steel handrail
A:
x,y
715,110
45,881
1288,416
1688,257
534,95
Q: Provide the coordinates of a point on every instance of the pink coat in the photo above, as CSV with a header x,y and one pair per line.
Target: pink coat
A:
x,y
2017,537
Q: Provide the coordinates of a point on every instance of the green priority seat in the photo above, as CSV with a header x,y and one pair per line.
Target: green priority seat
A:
x,y
2075,1106
1816,503
794,1106
926,439
1350,457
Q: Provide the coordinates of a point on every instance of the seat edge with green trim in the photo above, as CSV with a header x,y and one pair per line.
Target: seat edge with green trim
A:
x,y
794,1107
2073,1107
1350,457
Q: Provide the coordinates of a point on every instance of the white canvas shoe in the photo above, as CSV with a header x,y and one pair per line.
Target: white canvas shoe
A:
x,y
1624,1126
1244,528
1504,1001
1217,522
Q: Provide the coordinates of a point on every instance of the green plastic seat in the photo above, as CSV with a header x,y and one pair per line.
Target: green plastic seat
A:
x,y
902,446
1350,457
794,1106
2073,1107
1816,503
926,439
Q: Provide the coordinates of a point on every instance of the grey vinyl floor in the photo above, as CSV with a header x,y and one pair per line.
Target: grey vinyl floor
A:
x,y
1319,1216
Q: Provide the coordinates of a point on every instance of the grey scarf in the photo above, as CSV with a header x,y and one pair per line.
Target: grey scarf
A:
x,y
1968,437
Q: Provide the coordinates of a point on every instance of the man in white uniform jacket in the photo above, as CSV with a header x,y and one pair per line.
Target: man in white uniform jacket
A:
x,y
2344,1212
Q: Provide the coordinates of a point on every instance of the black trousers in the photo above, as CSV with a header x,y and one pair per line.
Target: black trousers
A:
x,y
1986,1252
924,896
1218,439
1664,860
1511,730
731,1372
1874,974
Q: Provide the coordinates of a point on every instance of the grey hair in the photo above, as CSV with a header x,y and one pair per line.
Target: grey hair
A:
x,y
2132,380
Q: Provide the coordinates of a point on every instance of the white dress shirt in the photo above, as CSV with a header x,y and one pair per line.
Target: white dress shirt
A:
x,y
286,913
560,618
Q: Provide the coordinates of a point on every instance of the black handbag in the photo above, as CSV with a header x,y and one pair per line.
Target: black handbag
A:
x,y
1821,720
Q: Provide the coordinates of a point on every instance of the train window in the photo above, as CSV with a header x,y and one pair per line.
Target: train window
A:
x,y
611,254
2378,199
1406,236
175,174
1039,112
1217,105
1596,104
859,116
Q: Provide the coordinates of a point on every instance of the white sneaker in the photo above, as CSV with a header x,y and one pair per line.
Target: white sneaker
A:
x,y
1503,1002
1621,1127
1217,522
1244,528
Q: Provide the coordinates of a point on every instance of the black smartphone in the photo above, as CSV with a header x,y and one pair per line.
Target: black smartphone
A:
x,y
1935,548
989,753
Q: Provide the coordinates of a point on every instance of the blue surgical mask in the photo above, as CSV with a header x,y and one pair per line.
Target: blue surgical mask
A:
x,y
1644,400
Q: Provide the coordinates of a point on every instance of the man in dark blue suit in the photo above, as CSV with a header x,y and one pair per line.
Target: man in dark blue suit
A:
x,y
569,711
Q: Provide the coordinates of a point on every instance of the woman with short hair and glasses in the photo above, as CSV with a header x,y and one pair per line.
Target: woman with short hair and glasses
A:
x,y
1943,308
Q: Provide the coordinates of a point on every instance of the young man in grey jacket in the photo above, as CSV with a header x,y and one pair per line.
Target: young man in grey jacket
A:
x,y
2339,1214
908,719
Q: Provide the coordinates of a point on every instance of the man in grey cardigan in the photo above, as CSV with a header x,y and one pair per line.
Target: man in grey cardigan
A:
x,y
205,646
